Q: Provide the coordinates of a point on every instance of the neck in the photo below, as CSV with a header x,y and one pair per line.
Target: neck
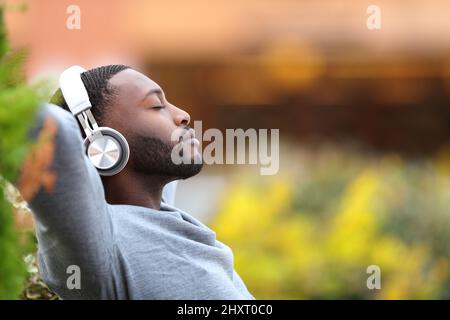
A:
x,y
134,188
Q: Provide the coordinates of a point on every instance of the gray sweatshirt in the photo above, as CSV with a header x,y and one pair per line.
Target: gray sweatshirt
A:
x,y
121,251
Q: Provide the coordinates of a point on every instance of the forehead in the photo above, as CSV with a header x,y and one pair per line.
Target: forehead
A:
x,y
132,83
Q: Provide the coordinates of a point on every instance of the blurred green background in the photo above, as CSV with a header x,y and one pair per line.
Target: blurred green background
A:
x,y
311,232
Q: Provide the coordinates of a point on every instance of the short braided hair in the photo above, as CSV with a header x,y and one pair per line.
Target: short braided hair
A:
x,y
96,83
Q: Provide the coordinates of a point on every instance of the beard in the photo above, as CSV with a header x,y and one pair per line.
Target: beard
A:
x,y
153,156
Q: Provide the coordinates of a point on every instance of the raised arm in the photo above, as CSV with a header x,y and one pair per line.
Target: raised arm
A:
x,y
73,226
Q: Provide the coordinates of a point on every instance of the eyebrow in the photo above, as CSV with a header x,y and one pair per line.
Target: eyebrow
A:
x,y
152,91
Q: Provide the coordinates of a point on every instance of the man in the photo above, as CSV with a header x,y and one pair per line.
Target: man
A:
x,y
122,232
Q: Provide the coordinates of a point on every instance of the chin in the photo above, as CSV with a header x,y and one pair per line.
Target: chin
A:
x,y
186,171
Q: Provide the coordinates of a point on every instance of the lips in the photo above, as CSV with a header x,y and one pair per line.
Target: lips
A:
x,y
189,134
195,142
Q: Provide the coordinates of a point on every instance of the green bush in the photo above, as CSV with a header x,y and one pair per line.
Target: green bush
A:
x,y
18,103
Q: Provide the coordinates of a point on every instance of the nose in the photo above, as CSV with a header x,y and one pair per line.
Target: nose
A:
x,y
182,118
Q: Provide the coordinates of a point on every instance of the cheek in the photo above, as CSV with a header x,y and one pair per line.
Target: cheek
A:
x,y
154,124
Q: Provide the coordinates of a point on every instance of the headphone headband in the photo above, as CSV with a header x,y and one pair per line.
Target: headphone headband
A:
x,y
73,90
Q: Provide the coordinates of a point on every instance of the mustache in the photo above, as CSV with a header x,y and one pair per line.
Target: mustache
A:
x,y
184,133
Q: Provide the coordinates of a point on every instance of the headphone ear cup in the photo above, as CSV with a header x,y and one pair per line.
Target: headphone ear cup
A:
x,y
109,152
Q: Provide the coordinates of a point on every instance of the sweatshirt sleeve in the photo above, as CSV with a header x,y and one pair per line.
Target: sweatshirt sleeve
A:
x,y
73,226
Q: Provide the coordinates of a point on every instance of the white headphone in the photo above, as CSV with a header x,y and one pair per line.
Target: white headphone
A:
x,y
107,148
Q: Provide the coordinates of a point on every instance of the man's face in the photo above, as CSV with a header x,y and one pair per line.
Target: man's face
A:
x,y
141,112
